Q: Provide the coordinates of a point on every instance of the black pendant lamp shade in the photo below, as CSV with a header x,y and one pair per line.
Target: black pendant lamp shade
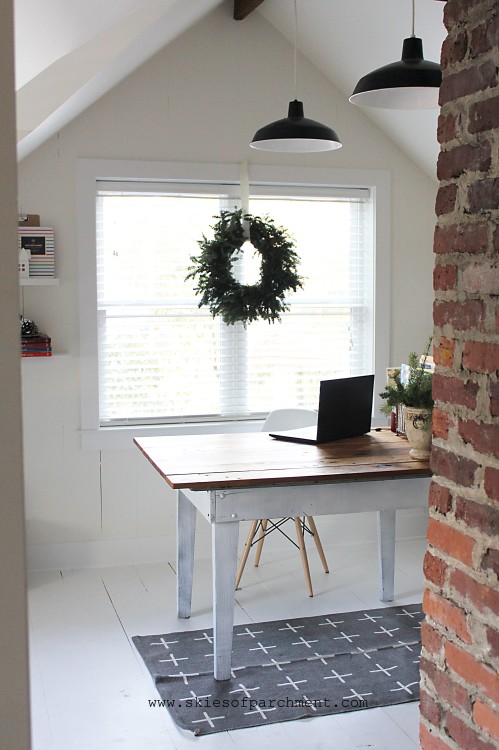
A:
x,y
410,83
295,133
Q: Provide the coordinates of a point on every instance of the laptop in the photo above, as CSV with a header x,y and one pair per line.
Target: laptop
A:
x,y
345,407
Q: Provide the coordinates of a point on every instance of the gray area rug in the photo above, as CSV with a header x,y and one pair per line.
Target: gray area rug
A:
x,y
288,669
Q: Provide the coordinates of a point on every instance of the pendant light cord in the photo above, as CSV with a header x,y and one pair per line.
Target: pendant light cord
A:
x,y
295,50
413,16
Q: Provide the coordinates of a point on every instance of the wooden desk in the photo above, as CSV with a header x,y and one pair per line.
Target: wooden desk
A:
x,y
235,477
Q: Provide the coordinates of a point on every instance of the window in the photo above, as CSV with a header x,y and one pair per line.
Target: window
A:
x,y
157,357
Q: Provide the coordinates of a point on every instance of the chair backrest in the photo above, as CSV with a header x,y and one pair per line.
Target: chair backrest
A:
x,y
289,419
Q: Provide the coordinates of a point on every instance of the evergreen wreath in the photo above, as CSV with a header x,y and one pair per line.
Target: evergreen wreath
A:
x,y
216,284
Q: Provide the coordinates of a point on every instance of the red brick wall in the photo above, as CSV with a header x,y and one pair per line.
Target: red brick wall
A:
x,y
460,660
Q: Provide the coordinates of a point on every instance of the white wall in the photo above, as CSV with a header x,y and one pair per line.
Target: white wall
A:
x,y
201,99
14,689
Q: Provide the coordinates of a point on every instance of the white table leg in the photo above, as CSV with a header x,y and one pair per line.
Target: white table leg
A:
x,y
225,537
186,532
386,553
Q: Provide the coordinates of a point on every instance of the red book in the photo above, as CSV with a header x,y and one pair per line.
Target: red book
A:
x,y
36,354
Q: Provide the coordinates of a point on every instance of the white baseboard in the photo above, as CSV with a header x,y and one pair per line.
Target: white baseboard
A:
x,y
358,528
105,553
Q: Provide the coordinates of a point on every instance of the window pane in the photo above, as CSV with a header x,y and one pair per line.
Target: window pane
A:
x,y
162,358
158,352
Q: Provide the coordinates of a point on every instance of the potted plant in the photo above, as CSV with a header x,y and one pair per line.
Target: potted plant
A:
x,y
414,395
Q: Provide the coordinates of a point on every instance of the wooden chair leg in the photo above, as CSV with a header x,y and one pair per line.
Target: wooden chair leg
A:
x,y
313,529
303,553
247,547
261,538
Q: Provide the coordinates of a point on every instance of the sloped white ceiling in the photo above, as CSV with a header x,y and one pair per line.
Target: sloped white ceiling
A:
x,y
78,50
70,52
347,39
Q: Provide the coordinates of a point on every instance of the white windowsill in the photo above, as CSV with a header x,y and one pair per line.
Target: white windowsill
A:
x,y
38,281
116,438
121,438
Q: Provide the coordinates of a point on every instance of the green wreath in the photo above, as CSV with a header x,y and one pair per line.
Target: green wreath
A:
x,y
216,284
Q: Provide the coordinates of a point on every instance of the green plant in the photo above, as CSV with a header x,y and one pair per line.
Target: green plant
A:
x,y
416,391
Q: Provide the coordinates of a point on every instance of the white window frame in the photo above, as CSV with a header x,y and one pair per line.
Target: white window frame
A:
x,y
89,172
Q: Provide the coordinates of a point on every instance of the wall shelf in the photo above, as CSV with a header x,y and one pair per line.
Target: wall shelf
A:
x,y
53,356
39,281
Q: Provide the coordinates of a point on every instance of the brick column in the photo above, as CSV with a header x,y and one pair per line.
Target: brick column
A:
x,y
460,660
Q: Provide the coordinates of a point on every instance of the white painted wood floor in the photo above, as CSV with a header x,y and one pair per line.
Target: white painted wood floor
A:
x,y
90,689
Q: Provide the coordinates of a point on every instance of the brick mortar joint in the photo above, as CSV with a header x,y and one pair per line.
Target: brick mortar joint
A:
x,y
480,538
470,139
461,449
468,62
464,181
462,411
463,336
429,687
439,733
465,717
474,692
460,296
465,220
481,541
461,107
451,594
473,15
454,438
465,493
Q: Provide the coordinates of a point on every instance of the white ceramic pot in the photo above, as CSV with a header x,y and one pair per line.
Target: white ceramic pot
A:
x,y
418,431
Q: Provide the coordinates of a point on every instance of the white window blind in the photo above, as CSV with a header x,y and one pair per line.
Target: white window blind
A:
x,y
164,359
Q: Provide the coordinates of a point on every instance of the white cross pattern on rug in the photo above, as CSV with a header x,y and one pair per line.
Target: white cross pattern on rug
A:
x,y
165,644
335,676
355,694
321,657
369,617
261,647
290,682
404,687
252,633
405,613
293,629
385,670
384,630
205,637
277,664
304,642
208,719
348,637
173,660
263,712
333,624
243,689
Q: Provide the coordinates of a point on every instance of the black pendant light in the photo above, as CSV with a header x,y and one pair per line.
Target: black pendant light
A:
x,y
410,83
295,133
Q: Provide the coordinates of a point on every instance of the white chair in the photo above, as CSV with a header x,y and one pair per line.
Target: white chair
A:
x,y
285,419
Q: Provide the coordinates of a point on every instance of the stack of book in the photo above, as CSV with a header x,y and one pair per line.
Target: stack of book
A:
x,y
39,241
36,346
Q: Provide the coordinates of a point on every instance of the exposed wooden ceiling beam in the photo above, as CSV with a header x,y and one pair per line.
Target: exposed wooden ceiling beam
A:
x,y
243,8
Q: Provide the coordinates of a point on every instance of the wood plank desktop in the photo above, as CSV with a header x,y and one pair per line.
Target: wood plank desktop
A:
x,y
244,476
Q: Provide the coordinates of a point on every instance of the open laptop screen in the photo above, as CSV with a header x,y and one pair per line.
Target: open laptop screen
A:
x,y
345,408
